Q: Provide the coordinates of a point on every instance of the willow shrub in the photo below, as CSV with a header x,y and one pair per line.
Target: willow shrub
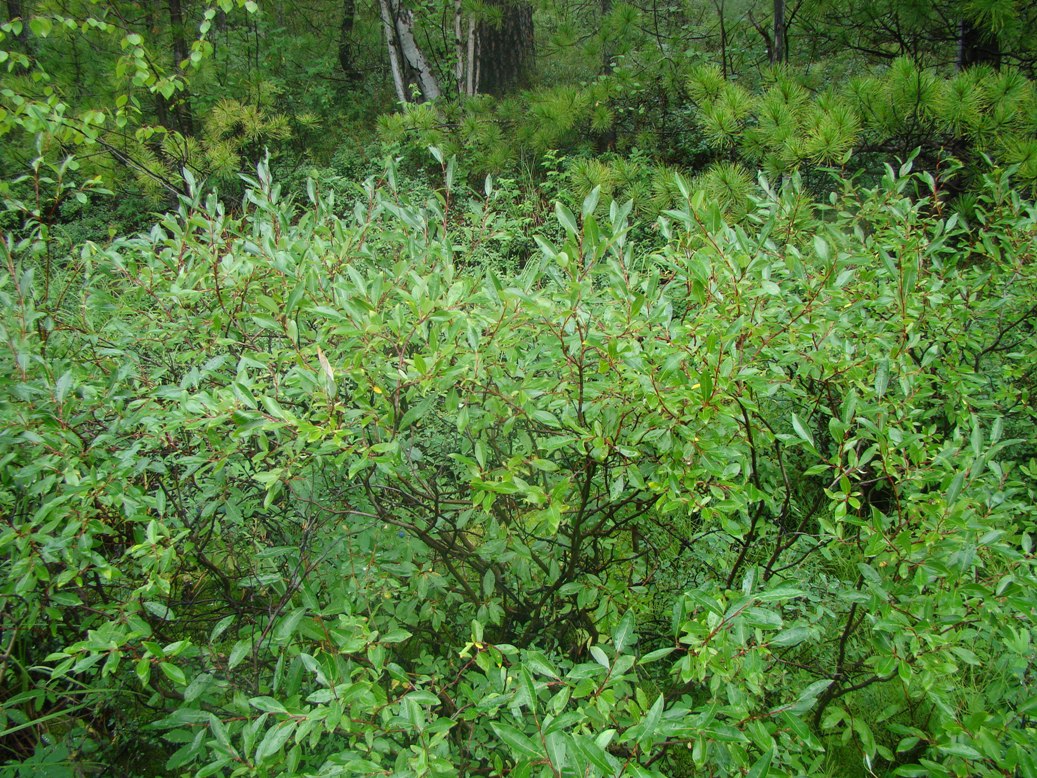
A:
x,y
295,493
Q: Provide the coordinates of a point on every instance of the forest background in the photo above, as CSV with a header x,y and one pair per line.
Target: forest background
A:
x,y
507,388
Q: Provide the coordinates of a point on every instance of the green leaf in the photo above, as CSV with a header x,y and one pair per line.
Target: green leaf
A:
x,y
762,766
557,749
143,670
173,673
960,749
213,768
653,656
273,408
792,636
286,626
566,219
416,412
274,738
809,696
976,438
651,721
159,610
866,736
590,202
521,746
600,657
40,26
955,488
802,431
397,635
62,386
238,652
220,628
706,386
596,755
197,686
294,298
623,632
821,248
783,592
267,705
881,377
540,664
800,729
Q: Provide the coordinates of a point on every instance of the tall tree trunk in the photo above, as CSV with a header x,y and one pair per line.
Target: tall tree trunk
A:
x,y
181,109
977,47
345,41
722,17
606,40
472,73
15,10
163,111
778,53
464,52
392,44
405,56
413,54
506,47
606,139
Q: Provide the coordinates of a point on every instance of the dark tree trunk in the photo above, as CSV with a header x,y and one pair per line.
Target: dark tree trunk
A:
x,y
606,139
345,40
778,53
977,47
506,48
16,10
163,109
183,119
722,18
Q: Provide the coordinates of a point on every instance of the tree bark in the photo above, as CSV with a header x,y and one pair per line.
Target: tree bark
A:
x,y
393,46
607,139
181,108
412,53
472,74
459,48
606,41
15,10
345,40
406,58
778,53
506,56
722,18
465,47
977,47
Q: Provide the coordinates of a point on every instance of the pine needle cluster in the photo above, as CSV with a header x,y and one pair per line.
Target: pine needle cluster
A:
x,y
786,126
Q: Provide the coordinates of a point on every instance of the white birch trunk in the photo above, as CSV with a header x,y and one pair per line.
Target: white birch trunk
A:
x,y
472,79
392,43
464,52
413,54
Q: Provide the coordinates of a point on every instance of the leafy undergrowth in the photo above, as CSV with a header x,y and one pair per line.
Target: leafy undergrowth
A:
x,y
296,493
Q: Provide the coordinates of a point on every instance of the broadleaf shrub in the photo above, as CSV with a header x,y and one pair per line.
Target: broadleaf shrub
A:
x,y
299,493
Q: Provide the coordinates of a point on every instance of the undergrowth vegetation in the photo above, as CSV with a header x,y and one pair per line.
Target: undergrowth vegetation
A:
x,y
348,484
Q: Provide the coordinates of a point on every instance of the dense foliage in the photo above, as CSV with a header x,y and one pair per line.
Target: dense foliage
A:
x,y
140,91
293,493
498,388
